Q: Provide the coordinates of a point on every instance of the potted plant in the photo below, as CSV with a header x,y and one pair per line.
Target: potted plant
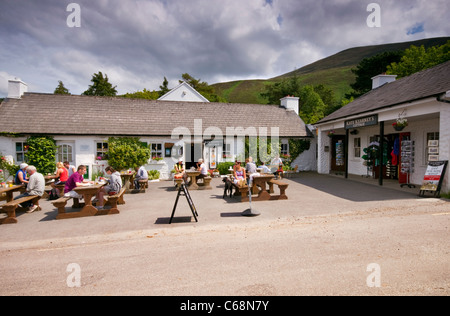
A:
x,y
331,134
400,124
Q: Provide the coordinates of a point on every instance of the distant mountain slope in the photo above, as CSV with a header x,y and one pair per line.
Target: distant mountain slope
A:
x,y
334,72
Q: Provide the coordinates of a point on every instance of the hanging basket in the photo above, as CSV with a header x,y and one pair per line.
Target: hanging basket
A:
x,y
399,128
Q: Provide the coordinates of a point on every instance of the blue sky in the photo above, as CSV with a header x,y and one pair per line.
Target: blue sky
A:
x,y
139,42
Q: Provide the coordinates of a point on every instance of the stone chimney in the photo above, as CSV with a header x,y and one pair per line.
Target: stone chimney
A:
x,y
290,104
382,79
16,88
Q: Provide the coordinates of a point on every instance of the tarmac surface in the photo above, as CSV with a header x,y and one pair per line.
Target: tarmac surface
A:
x,y
332,237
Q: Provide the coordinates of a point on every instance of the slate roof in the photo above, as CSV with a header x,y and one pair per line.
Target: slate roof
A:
x,y
428,83
52,114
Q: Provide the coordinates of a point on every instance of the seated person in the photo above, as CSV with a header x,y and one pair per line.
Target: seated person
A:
x,y
201,166
250,168
74,181
179,170
264,168
113,187
36,186
61,177
21,175
239,174
141,174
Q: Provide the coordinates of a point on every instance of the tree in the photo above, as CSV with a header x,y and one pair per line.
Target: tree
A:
x,y
279,90
416,59
41,153
369,68
312,108
315,101
164,88
127,152
101,86
145,94
60,89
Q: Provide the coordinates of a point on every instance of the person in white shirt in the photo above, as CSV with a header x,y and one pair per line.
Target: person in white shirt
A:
x,y
36,186
202,168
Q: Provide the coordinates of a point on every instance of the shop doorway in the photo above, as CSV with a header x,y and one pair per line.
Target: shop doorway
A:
x,y
391,157
194,152
338,153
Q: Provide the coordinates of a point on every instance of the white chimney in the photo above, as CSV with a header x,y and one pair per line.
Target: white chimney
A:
x,y
382,79
16,88
290,103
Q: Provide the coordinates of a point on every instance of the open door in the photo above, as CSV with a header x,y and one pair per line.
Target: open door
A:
x,y
338,153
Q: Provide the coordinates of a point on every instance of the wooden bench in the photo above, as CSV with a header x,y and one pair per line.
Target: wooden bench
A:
x,y
282,186
206,185
143,184
10,208
120,198
112,200
241,191
178,182
60,204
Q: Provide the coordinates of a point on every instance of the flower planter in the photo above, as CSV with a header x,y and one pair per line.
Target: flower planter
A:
x,y
399,128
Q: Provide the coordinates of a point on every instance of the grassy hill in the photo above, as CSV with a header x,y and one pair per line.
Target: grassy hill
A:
x,y
334,72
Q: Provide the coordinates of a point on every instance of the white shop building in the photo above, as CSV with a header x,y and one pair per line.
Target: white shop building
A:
x,y
423,100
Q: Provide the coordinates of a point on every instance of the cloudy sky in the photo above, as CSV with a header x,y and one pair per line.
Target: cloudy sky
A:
x,y
139,42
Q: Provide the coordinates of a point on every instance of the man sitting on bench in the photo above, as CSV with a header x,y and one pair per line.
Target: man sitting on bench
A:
x,y
76,180
36,186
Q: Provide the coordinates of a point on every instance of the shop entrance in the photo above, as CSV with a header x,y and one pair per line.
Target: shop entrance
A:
x,y
194,152
392,157
338,153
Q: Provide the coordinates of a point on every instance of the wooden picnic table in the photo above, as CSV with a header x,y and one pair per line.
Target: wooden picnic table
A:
x,y
88,192
10,191
261,181
11,205
126,181
193,175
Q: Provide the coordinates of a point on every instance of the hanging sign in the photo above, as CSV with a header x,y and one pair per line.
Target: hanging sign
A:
x,y
362,122
434,176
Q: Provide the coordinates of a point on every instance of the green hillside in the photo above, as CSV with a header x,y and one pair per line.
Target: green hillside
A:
x,y
334,72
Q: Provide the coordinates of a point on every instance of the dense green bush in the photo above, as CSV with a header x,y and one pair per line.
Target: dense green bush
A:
x,y
153,174
127,152
224,166
42,153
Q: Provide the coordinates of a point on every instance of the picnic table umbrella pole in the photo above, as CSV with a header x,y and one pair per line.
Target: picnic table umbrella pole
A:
x,y
250,212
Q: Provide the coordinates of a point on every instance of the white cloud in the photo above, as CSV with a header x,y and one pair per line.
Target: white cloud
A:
x,y
138,42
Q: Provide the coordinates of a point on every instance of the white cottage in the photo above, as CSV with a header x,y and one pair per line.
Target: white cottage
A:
x,y
187,128
423,100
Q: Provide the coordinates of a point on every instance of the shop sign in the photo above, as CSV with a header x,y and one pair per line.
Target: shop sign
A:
x,y
362,122
434,176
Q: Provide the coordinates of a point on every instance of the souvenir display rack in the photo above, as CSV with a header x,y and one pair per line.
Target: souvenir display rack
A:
x,y
407,162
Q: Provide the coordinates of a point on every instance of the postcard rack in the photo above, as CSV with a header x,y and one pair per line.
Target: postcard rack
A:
x,y
407,162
